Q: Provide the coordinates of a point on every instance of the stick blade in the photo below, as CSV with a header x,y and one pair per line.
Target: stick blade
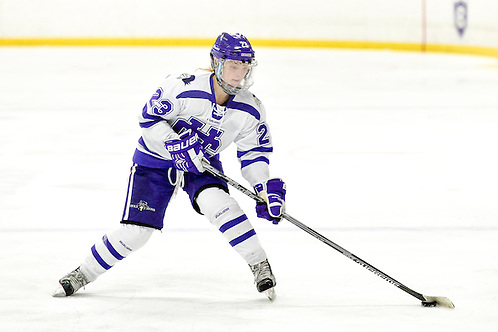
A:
x,y
439,300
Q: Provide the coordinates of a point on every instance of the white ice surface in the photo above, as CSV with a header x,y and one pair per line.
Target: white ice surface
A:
x,y
391,155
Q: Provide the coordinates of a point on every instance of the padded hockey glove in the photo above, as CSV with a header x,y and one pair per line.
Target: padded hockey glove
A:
x,y
273,192
187,152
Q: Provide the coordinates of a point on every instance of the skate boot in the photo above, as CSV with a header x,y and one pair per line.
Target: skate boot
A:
x,y
264,279
70,283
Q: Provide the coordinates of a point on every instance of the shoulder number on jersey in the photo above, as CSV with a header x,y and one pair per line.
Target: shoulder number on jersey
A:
x,y
263,134
159,104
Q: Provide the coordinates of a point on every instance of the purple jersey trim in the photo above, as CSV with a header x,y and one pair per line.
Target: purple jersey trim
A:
x,y
245,163
147,160
258,149
244,108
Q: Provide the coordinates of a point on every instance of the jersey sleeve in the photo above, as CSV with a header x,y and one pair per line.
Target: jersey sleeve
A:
x,y
153,120
254,147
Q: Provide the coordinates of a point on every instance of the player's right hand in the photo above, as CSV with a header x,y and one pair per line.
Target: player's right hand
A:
x,y
187,152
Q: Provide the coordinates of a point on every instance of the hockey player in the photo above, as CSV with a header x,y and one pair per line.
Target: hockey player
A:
x,y
188,121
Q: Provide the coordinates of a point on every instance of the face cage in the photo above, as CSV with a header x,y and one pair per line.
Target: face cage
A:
x,y
246,82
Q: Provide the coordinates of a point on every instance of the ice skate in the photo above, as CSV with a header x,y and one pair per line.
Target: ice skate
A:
x,y
264,279
71,283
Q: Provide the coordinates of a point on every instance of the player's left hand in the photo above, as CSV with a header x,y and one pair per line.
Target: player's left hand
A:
x,y
273,192
187,152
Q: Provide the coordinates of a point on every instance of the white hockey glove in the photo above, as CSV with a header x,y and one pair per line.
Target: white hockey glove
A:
x,y
273,192
187,152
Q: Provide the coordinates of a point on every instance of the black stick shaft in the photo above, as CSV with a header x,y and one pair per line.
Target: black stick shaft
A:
x,y
317,235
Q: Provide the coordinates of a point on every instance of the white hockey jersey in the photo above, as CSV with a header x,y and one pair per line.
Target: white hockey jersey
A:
x,y
188,102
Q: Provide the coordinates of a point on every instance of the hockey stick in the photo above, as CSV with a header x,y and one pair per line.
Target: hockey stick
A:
x,y
427,301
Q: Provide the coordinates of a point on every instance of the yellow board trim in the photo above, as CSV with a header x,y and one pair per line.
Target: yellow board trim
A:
x,y
194,42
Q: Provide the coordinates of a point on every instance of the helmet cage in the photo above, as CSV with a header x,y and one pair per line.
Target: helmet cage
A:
x,y
246,82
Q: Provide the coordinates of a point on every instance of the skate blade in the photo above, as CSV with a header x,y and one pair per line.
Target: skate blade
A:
x,y
59,292
270,293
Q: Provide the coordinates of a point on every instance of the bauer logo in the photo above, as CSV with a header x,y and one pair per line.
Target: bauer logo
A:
x,y
142,206
461,17
219,214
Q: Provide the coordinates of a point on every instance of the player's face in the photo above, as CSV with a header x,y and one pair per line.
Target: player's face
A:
x,y
234,72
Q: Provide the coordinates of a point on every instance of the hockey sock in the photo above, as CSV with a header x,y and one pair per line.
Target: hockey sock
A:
x,y
113,247
226,215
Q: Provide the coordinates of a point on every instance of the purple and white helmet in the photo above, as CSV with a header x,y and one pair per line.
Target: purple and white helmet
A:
x,y
235,48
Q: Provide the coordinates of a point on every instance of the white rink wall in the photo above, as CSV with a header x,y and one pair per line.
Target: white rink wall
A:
x,y
419,22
